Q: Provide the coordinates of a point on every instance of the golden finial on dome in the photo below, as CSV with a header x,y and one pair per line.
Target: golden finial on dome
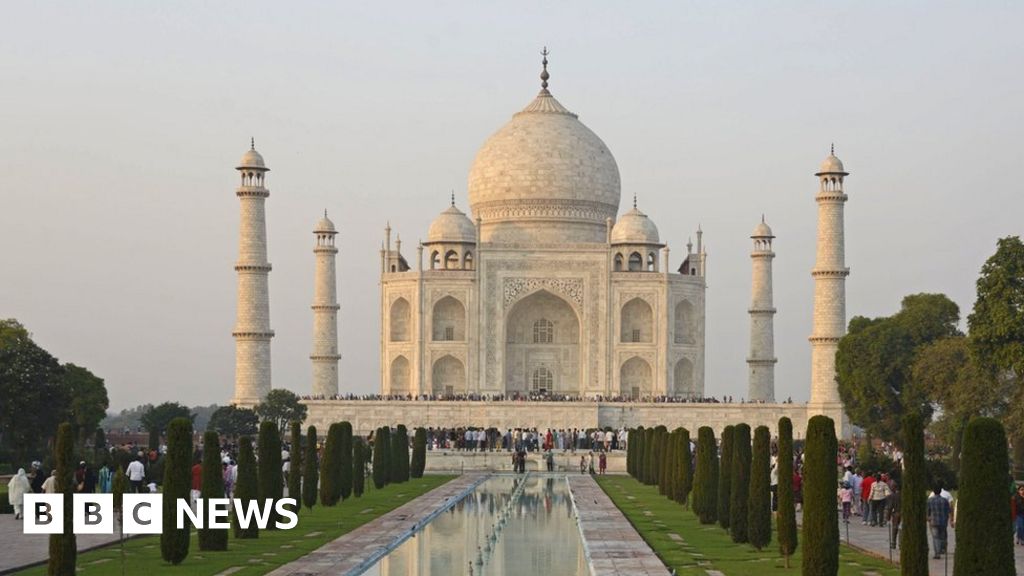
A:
x,y
252,143
544,73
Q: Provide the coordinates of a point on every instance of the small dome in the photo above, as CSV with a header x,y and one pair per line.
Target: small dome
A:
x,y
634,227
324,225
762,230
452,225
252,159
831,165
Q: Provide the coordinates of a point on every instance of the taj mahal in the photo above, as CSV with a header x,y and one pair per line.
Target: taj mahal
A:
x,y
542,289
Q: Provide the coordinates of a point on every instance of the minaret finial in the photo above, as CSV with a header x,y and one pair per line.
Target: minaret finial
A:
x,y
325,212
453,197
762,217
832,149
544,73
252,143
634,200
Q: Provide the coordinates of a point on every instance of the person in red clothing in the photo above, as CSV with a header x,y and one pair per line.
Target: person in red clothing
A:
x,y
865,496
197,481
798,489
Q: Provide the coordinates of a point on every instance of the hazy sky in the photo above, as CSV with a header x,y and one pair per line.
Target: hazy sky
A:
x,y
121,124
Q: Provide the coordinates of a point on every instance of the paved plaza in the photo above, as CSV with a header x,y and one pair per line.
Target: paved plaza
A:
x,y
21,550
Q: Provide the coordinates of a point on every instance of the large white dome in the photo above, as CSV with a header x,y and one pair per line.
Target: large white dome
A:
x,y
544,177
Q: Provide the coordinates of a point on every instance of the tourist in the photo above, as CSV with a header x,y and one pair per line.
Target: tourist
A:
x,y
855,482
16,490
603,462
136,475
229,478
50,484
1018,515
938,520
880,491
773,482
893,514
550,458
583,464
37,476
590,463
798,489
846,500
106,478
197,480
865,497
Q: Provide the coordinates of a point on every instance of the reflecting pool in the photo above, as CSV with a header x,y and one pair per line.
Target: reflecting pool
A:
x,y
508,525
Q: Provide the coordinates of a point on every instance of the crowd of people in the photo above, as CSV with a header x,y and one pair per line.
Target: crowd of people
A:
x,y
535,397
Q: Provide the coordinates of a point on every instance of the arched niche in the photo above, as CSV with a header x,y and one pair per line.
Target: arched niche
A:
x,y
637,322
635,378
400,375
399,320
448,321
448,376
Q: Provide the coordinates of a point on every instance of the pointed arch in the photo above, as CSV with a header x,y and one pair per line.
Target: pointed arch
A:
x,y
451,260
448,376
449,321
635,378
636,262
682,379
685,323
400,375
399,321
618,263
637,322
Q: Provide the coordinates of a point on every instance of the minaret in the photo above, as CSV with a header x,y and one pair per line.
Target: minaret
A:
x,y
762,313
252,328
829,275
325,312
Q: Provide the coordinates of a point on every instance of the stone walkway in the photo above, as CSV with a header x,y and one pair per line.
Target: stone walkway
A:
x,y
359,549
22,550
612,545
875,540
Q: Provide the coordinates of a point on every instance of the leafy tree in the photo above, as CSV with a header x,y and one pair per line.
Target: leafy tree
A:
x,y
399,455
873,365
270,482
295,466
89,400
35,400
997,325
913,500
983,523
281,407
330,467
309,470
213,487
759,507
63,547
177,484
821,522
786,519
232,421
246,487
725,478
358,467
157,418
705,479
344,456
419,453
381,457
740,496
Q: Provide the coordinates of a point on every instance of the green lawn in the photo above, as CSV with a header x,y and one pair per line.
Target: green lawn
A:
x,y
273,548
709,543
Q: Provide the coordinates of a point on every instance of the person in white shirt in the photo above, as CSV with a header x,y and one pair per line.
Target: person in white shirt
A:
x,y
136,474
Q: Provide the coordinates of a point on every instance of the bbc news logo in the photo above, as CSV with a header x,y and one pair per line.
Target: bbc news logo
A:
x,y
143,513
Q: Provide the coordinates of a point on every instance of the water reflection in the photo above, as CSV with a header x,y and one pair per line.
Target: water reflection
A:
x,y
508,525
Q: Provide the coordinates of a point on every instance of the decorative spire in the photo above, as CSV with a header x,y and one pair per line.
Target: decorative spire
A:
x,y
544,73
634,200
762,217
453,197
252,143
325,212
832,149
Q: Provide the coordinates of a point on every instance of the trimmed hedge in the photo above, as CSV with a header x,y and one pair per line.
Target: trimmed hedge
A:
x,y
358,467
63,547
213,487
174,541
400,455
330,467
419,453
725,477
295,465
983,529
740,495
759,507
310,470
647,476
914,500
685,468
270,481
821,520
705,478
786,519
381,457
246,486
344,456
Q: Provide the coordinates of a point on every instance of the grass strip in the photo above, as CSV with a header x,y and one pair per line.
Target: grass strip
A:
x,y
689,547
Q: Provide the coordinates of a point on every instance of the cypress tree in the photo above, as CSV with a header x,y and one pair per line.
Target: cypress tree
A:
x,y
246,486
666,464
982,523
821,522
786,519
330,467
631,452
913,500
295,465
63,547
400,455
725,477
646,471
759,503
380,457
685,467
358,467
174,541
740,483
310,476
269,473
213,487
705,478
344,456
119,486
419,453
